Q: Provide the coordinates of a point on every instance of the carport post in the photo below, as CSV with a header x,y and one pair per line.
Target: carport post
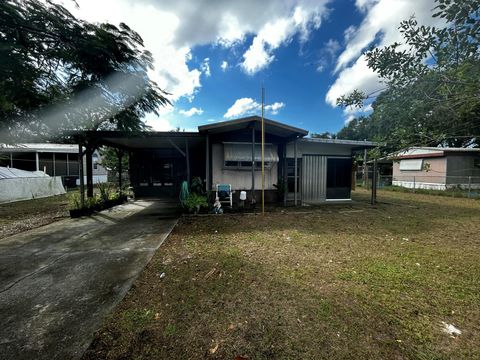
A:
x,y
207,164
253,163
89,164
374,182
295,171
120,170
187,157
80,172
285,171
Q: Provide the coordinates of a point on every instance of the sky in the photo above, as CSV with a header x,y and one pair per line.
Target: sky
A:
x,y
214,56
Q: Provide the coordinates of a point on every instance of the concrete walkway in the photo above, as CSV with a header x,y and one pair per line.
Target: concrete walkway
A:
x,y
58,282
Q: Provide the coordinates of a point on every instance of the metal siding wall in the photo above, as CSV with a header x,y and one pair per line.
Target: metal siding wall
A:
x,y
314,178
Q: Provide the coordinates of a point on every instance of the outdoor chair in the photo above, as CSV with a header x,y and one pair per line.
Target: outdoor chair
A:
x,y
224,194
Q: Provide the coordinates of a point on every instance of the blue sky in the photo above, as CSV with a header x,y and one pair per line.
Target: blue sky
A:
x,y
305,52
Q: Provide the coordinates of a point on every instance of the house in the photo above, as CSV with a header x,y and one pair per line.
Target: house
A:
x,y
436,168
229,152
53,159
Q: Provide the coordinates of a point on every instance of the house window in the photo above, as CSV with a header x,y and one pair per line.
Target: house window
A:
x,y
411,165
238,156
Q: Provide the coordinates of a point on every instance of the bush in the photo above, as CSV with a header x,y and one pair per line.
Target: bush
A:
x,y
74,201
194,203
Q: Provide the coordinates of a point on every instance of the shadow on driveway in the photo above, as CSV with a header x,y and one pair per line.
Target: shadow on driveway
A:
x,y
58,282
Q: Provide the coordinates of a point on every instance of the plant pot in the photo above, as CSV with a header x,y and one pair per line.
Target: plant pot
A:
x,y
76,213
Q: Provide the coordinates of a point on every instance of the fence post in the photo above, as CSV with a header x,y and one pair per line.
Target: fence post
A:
x,y
414,184
469,185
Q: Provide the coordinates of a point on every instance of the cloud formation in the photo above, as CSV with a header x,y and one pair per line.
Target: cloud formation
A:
x,y
248,106
191,112
279,32
379,27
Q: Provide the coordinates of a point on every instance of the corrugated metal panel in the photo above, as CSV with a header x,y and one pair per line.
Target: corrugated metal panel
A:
x,y
314,178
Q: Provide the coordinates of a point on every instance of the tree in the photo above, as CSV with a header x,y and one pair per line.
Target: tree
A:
x,y
432,94
110,157
58,72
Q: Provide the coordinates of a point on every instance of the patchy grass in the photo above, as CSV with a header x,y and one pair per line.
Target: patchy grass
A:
x,y
339,281
24,215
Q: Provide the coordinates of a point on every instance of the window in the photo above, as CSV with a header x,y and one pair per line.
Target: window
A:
x,y
411,164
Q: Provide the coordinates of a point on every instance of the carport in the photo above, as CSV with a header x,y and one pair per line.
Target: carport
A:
x,y
159,161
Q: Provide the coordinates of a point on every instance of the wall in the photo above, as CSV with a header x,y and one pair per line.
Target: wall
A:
x,y
17,189
239,179
432,179
460,167
313,148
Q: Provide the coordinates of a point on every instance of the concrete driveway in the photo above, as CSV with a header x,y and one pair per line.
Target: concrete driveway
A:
x,y
59,281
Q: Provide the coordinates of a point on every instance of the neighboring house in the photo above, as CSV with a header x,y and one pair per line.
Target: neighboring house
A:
x,y
229,152
436,168
54,159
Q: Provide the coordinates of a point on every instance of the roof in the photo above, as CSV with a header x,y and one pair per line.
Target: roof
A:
x,y
146,139
41,147
271,126
341,142
421,152
11,173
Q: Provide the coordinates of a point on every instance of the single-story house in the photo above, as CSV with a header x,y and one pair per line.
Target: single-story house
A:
x,y
229,152
53,159
436,168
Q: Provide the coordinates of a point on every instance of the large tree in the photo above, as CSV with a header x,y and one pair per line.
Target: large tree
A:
x,y
432,78
58,72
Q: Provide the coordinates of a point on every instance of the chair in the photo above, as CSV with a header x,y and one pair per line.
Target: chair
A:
x,y
224,194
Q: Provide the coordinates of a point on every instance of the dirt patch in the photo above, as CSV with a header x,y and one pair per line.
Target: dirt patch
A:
x,y
341,281
24,215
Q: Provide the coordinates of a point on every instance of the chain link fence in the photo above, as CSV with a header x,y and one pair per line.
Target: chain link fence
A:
x,y
456,186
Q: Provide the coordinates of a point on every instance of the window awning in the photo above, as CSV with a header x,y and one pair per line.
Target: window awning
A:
x,y
243,152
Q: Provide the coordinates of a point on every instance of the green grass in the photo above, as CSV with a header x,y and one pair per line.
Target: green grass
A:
x,y
333,282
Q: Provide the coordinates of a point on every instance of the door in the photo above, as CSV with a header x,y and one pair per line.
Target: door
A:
x,y
313,179
339,178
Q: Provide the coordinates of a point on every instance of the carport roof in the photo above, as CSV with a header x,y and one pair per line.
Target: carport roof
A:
x,y
143,140
272,127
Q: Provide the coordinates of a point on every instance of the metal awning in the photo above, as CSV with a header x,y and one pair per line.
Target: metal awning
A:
x,y
243,152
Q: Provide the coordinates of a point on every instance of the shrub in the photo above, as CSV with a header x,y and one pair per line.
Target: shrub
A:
x,y
74,201
194,203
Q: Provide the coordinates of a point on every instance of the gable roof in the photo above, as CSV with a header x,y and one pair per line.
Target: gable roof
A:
x,y
271,126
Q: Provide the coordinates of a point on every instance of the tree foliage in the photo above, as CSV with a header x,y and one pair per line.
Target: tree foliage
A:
x,y
58,72
432,78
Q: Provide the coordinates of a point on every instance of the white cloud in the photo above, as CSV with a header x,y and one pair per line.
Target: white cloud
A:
x,y
349,119
278,32
191,112
379,27
171,29
275,107
206,67
224,65
248,106
159,123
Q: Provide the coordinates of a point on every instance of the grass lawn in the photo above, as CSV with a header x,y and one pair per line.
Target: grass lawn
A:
x,y
23,215
342,281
